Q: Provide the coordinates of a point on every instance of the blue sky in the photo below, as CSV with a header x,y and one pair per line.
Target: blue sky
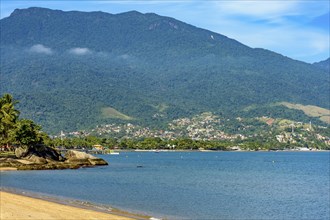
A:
x,y
295,28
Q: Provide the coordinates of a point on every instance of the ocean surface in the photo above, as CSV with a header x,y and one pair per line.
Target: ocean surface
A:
x,y
195,185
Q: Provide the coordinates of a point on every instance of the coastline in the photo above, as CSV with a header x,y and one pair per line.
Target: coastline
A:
x,y
19,206
9,167
123,169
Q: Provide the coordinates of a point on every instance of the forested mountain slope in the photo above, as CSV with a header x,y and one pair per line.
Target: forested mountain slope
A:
x,y
325,64
72,70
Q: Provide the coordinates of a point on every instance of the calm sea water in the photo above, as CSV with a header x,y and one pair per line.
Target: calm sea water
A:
x,y
196,185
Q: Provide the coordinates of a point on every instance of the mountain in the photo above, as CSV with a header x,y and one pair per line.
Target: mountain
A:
x,y
72,70
325,64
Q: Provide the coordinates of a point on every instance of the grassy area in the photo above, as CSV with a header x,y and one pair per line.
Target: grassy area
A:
x,y
310,110
109,112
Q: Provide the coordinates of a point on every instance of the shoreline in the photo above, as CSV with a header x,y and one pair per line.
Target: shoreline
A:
x,y
23,205
13,168
214,151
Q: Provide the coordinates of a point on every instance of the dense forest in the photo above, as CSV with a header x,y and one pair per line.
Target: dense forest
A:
x,y
324,64
252,134
76,70
17,131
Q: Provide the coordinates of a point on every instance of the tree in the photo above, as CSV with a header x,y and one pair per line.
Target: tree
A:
x,y
28,133
8,118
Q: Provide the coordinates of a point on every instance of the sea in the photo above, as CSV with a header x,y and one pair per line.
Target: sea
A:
x,y
194,185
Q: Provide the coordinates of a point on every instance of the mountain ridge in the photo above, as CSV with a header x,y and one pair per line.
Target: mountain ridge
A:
x,y
324,64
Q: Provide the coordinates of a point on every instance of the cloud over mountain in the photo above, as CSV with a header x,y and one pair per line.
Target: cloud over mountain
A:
x,y
121,64
39,48
80,51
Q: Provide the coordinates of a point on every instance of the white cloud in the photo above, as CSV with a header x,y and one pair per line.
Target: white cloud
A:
x,y
39,48
293,41
258,8
80,51
281,26
272,9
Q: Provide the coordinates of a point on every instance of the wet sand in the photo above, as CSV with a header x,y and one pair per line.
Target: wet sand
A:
x,y
13,206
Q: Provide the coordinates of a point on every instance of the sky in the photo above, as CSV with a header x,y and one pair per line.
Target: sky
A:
x,y
298,29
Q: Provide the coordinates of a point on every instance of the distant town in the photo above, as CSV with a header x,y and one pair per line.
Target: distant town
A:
x,y
260,133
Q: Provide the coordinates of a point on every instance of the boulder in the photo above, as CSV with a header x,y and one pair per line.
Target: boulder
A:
x,y
35,159
21,152
83,158
46,152
73,154
45,158
39,151
98,162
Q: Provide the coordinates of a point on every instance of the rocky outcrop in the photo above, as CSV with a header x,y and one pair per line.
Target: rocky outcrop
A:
x,y
43,157
21,152
36,152
36,159
83,158
9,162
38,155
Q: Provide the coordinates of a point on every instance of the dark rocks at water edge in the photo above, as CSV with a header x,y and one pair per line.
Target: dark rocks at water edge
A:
x,y
46,158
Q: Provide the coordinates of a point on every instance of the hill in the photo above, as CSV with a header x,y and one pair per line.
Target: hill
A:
x,y
313,111
74,70
325,64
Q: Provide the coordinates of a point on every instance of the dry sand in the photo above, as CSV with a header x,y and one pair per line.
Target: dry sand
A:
x,y
14,206
7,169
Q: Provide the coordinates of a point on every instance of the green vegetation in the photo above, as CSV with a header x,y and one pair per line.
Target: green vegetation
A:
x,y
156,143
15,131
150,69
205,131
325,64
310,110
109,112
8,118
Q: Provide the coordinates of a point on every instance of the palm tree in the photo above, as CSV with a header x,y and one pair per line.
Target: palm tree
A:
x,y
8,117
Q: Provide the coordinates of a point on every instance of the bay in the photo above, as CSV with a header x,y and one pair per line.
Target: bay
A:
x,y
195,185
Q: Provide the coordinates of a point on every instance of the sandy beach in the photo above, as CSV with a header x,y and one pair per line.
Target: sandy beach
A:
x,y
13,206
7,169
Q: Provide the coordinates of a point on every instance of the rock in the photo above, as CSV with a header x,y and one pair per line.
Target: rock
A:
x,y
79,162
98,162
73,154
21,152
39,154
24,161
83,158
46,152
41,151
46,158
35,159
9,162
48,166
